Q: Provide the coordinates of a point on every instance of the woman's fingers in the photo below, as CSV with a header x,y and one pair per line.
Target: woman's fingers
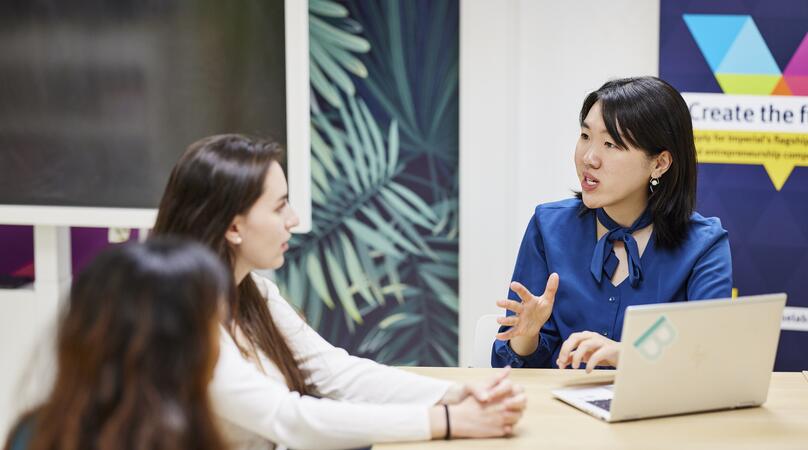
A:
x,y
483,392
551,288
508,321
499,377
516,403
521,291
582,352
596,358
506,335
587,347
502,390
567,347
511,417
511,305
606,354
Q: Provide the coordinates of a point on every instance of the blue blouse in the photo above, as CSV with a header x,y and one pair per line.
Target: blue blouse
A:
x,y
20,437
560,240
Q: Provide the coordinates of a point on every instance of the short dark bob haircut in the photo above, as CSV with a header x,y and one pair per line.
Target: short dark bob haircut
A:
x,y
651,115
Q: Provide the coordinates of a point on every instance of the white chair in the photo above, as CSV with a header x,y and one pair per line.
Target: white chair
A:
x,y
484,333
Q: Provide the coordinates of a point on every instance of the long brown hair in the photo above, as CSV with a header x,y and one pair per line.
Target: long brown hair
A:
x,y
216,179
136,349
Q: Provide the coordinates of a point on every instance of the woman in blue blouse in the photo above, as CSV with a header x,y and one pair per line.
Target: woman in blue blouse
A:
x,y
630,237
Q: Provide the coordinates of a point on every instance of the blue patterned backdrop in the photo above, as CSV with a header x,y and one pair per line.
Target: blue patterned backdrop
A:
x,y
768,229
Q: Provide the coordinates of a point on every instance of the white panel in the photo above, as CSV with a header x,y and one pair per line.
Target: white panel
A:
x,y
77,217
794,319
27,322
488,90
298,135
568,49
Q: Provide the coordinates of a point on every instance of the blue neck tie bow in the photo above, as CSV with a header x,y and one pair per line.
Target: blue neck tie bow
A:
x,y
604,261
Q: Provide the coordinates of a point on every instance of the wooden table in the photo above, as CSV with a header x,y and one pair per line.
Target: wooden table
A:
x,y
548,424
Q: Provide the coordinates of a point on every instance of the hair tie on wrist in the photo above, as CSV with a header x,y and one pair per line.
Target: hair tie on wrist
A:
x,y
448,424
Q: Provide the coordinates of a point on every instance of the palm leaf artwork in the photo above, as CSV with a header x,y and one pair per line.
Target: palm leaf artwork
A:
x,y
414,63
377,274
333,40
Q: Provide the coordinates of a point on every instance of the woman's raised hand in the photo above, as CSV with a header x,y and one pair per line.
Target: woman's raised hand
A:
x,y
531,313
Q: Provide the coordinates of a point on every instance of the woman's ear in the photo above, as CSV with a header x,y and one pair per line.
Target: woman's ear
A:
x,y
233,233
662,163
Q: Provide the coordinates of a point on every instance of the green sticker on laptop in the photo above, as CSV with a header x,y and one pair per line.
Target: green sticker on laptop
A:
x,y
653,341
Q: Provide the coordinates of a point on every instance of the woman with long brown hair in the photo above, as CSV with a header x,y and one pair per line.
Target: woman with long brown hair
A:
x,y
277,381
136,349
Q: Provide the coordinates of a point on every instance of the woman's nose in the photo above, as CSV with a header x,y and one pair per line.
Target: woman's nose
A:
x,y
292,221
591,158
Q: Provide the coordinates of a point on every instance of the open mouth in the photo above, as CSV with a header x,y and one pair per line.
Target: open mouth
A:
x,y
589,182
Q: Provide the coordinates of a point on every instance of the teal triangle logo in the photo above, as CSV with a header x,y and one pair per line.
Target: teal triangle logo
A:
x,y
714,34
749,54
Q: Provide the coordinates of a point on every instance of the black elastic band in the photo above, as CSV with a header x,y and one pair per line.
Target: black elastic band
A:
x,y
448,423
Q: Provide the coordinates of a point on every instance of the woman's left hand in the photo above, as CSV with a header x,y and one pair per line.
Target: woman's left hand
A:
x,y
494,389
590,348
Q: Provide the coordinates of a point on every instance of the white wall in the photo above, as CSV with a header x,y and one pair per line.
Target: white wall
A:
x,y
27,326
525,68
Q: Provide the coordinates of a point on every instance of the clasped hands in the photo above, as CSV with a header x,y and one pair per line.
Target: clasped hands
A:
x,y
485,409
530,315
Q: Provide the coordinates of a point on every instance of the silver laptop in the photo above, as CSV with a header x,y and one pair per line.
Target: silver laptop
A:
x,y
686,357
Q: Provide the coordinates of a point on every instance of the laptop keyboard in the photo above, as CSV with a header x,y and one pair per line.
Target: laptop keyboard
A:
x,y
605,404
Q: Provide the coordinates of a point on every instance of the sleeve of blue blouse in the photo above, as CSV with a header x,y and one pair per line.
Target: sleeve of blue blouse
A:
x,y
712,274
531,270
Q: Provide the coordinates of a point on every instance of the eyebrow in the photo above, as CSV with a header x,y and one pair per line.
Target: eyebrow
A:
x,y
585,125
283,198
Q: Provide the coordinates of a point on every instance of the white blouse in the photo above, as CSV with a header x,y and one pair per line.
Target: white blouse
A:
x,y
362,402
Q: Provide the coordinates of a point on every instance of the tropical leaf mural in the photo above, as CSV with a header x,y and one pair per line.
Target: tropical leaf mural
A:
x,y
378,272
333,41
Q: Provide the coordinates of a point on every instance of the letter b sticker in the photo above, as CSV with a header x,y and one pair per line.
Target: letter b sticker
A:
x,y
652,343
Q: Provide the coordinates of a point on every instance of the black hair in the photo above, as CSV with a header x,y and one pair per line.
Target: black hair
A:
x,y
651,115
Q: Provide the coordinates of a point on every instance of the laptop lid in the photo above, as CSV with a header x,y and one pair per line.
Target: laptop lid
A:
x,y
696,356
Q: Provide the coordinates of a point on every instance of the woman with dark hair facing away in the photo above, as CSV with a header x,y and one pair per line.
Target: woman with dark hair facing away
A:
x,y
630,236
277,381
136,349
